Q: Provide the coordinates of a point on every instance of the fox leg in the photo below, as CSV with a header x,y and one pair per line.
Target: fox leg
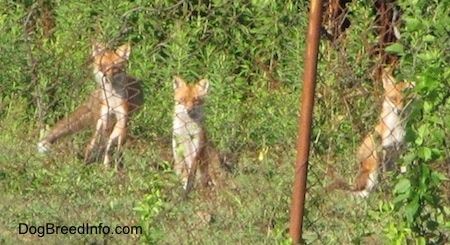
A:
x,y
93,142
205,171
189,169
186,176
118,134
178,165
390,155
182,154
181,170
102,125
193,162
189,176
203,174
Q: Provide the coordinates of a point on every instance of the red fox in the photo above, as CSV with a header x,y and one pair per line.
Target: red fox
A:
x,y
389,132
108,108
191,149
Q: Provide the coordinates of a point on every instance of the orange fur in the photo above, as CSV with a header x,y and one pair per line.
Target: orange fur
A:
x,y
389,132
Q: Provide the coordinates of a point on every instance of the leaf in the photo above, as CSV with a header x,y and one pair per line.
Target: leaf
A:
x,y
419,141
425,153
429,38
409,158
438,120
427,106
395,48
429,55
402,186
437,177
423,130
421,241
425,169
411,210
401,197
412,23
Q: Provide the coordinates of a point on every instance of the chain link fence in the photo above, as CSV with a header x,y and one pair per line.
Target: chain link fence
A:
x,y
356,54
251,54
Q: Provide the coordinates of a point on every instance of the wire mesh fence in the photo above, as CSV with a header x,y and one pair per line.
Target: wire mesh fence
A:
x,y
195,94
364,98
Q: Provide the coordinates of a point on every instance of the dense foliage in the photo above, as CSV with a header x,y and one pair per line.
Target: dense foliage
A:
x,y
252,51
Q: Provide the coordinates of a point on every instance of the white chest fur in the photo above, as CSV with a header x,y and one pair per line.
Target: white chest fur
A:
x,y
394,131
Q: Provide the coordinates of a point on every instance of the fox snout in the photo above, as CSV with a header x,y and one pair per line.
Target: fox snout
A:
x,y
189,107
192,113
114,69
194,108
397,109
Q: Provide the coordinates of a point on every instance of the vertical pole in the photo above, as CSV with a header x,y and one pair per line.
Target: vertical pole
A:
x,y
305,121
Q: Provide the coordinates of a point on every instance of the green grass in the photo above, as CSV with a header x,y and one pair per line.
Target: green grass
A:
x,y
253,54
251,208
57,188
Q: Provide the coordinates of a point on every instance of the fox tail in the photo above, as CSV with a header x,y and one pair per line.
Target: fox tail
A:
x,y
79,120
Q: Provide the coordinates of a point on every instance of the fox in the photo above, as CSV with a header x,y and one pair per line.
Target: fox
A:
x,y
107,109
118,89
194,155
384,143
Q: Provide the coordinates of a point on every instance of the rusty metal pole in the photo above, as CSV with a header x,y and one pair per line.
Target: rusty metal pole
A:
x,y
305,121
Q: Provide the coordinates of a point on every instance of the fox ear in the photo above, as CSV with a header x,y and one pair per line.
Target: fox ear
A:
x,y
97,48
388,80
408,85
411,84
178,82
124,51
203,86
